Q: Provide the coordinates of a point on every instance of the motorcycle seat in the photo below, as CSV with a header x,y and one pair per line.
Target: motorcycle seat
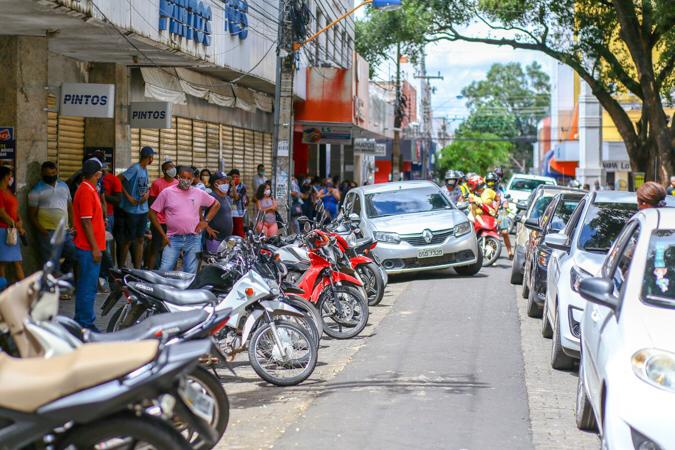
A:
x,y
175,296
179,280
299,266
152,327
27,384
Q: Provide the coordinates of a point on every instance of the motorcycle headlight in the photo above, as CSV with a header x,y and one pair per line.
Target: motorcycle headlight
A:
x,y
462,229
656,367
391,238
576,276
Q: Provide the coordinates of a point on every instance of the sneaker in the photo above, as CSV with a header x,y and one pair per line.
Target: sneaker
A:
x,y
103,286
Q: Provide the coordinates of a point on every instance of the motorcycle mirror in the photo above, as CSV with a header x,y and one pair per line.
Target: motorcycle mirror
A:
x,y
307,227
353,217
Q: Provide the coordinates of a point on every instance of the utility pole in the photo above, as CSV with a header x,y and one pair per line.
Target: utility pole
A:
x,y
283,110
398,120
427,116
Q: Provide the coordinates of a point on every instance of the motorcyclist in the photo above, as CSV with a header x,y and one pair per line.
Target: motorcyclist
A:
x,y
462,185
480,196
451,188
492,182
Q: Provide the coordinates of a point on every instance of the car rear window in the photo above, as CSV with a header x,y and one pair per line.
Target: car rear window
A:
x,y
406,201
602,225
658,284
540,206
526,185
563,212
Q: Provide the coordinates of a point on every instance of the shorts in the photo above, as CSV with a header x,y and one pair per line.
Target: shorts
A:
x,y
157,240
134,226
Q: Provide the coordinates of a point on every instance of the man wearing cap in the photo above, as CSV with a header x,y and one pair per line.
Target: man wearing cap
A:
x,y
182,206
89,242
167,180
134,203
240,203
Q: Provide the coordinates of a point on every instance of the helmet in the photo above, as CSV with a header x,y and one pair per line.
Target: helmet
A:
x,y
475,182
499,172
462,177
452,175
491,179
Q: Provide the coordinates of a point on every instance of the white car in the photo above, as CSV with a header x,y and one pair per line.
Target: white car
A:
x,y
416,227
627,374
580,250
521,186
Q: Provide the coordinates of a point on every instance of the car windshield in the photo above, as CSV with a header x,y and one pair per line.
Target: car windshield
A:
x,y
406,201
526,184
602,224
658,283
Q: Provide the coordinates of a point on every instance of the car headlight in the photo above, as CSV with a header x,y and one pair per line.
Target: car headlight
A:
x,y
576,276
462,229
391,238
656,367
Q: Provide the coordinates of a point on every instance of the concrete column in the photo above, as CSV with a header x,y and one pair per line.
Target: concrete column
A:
x,y
590,138
115,133
23,105
350,168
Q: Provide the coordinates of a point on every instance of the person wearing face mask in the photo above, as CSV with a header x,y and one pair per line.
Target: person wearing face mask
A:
x,y
167,180
239,197
49,203
330,197
259,179
89,242
267,208
204,182
10,253
220,228
182,206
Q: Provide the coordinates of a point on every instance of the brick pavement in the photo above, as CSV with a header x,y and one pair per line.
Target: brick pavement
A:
x,y
551,393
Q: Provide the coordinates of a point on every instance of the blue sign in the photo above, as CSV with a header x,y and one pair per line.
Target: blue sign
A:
x,y
190,19
236,12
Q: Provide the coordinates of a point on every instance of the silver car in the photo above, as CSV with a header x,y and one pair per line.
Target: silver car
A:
x,y
416,226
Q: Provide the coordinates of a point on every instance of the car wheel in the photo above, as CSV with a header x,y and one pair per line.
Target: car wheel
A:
x,y
584,411
546,330
559,360
525,293
516,270
533,309
471,270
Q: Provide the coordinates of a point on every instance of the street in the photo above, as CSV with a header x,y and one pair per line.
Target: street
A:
x,y
446,362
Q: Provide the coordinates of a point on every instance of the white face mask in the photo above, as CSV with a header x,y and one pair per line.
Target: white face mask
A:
x,y
11,181
268,192
171,173
224,188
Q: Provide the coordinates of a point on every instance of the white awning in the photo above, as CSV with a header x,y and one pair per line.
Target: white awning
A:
x,y
160,84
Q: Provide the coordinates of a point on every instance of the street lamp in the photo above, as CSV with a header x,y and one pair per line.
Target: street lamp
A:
x,y
382,5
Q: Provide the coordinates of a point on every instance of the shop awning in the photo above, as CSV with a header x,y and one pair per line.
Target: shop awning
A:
x,y
555,168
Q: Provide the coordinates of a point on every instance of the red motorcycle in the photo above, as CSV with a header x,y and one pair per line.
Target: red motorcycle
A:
x,y
330,284
489,242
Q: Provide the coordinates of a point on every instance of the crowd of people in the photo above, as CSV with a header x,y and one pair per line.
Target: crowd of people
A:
x,y
130,220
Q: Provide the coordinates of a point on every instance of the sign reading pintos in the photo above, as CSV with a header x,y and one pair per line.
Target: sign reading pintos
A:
x,y
87,100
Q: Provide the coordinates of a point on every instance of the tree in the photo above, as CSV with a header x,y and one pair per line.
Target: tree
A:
x,y
509,102
474,152
618,47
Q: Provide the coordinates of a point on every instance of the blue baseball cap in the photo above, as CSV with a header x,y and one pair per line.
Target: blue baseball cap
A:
x,y
147,151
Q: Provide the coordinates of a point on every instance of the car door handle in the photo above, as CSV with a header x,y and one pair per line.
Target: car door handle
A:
x,y
595,314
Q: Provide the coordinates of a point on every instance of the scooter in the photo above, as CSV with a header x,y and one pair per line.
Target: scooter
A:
x,y
489,241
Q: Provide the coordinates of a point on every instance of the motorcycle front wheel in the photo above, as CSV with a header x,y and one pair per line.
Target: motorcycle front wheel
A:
x,y
287,359
491,248
373,282
344,311
125,431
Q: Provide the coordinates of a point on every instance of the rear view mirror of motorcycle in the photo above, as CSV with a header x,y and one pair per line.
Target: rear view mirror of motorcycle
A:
x,y
354,218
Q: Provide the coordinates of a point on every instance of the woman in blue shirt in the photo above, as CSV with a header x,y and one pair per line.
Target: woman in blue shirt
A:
x,y
330,196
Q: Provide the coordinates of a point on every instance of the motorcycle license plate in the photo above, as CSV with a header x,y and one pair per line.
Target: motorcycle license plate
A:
x,y
199,403
429,253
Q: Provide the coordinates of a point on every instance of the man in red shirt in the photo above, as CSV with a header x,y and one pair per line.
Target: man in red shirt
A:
x,y
167,180
89,242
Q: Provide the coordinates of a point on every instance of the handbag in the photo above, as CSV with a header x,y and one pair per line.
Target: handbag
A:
x,y
12,236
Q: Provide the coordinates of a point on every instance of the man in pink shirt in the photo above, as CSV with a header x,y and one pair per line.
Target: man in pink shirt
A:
x,y
167,180
181,206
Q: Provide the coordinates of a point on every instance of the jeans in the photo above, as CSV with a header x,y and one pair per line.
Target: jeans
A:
x,y
87,283
68,251
190,244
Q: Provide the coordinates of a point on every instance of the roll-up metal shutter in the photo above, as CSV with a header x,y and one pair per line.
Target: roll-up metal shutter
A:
x,y
238,151
150,138
251,157
228,146
184,141
167,143
212,146
70,145
199,145
135,143
52,129
267,147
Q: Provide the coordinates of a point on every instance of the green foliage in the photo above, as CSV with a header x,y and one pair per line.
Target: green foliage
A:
x,y
474,152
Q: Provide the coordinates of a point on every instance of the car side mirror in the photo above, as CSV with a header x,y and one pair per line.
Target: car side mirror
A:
x,y
599,291
532,224
557,241
462,206
507,196
521,205
354,218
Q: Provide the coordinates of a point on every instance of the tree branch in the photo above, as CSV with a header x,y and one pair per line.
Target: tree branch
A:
x,y
618,70
665,72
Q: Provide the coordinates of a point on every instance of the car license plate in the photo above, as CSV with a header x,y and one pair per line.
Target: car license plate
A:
x,y
429,252
199,403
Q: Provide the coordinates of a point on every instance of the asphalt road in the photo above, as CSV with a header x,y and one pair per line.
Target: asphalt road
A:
x,y
444,369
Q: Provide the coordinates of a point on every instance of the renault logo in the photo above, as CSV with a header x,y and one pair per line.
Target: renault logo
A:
x,y
426,234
